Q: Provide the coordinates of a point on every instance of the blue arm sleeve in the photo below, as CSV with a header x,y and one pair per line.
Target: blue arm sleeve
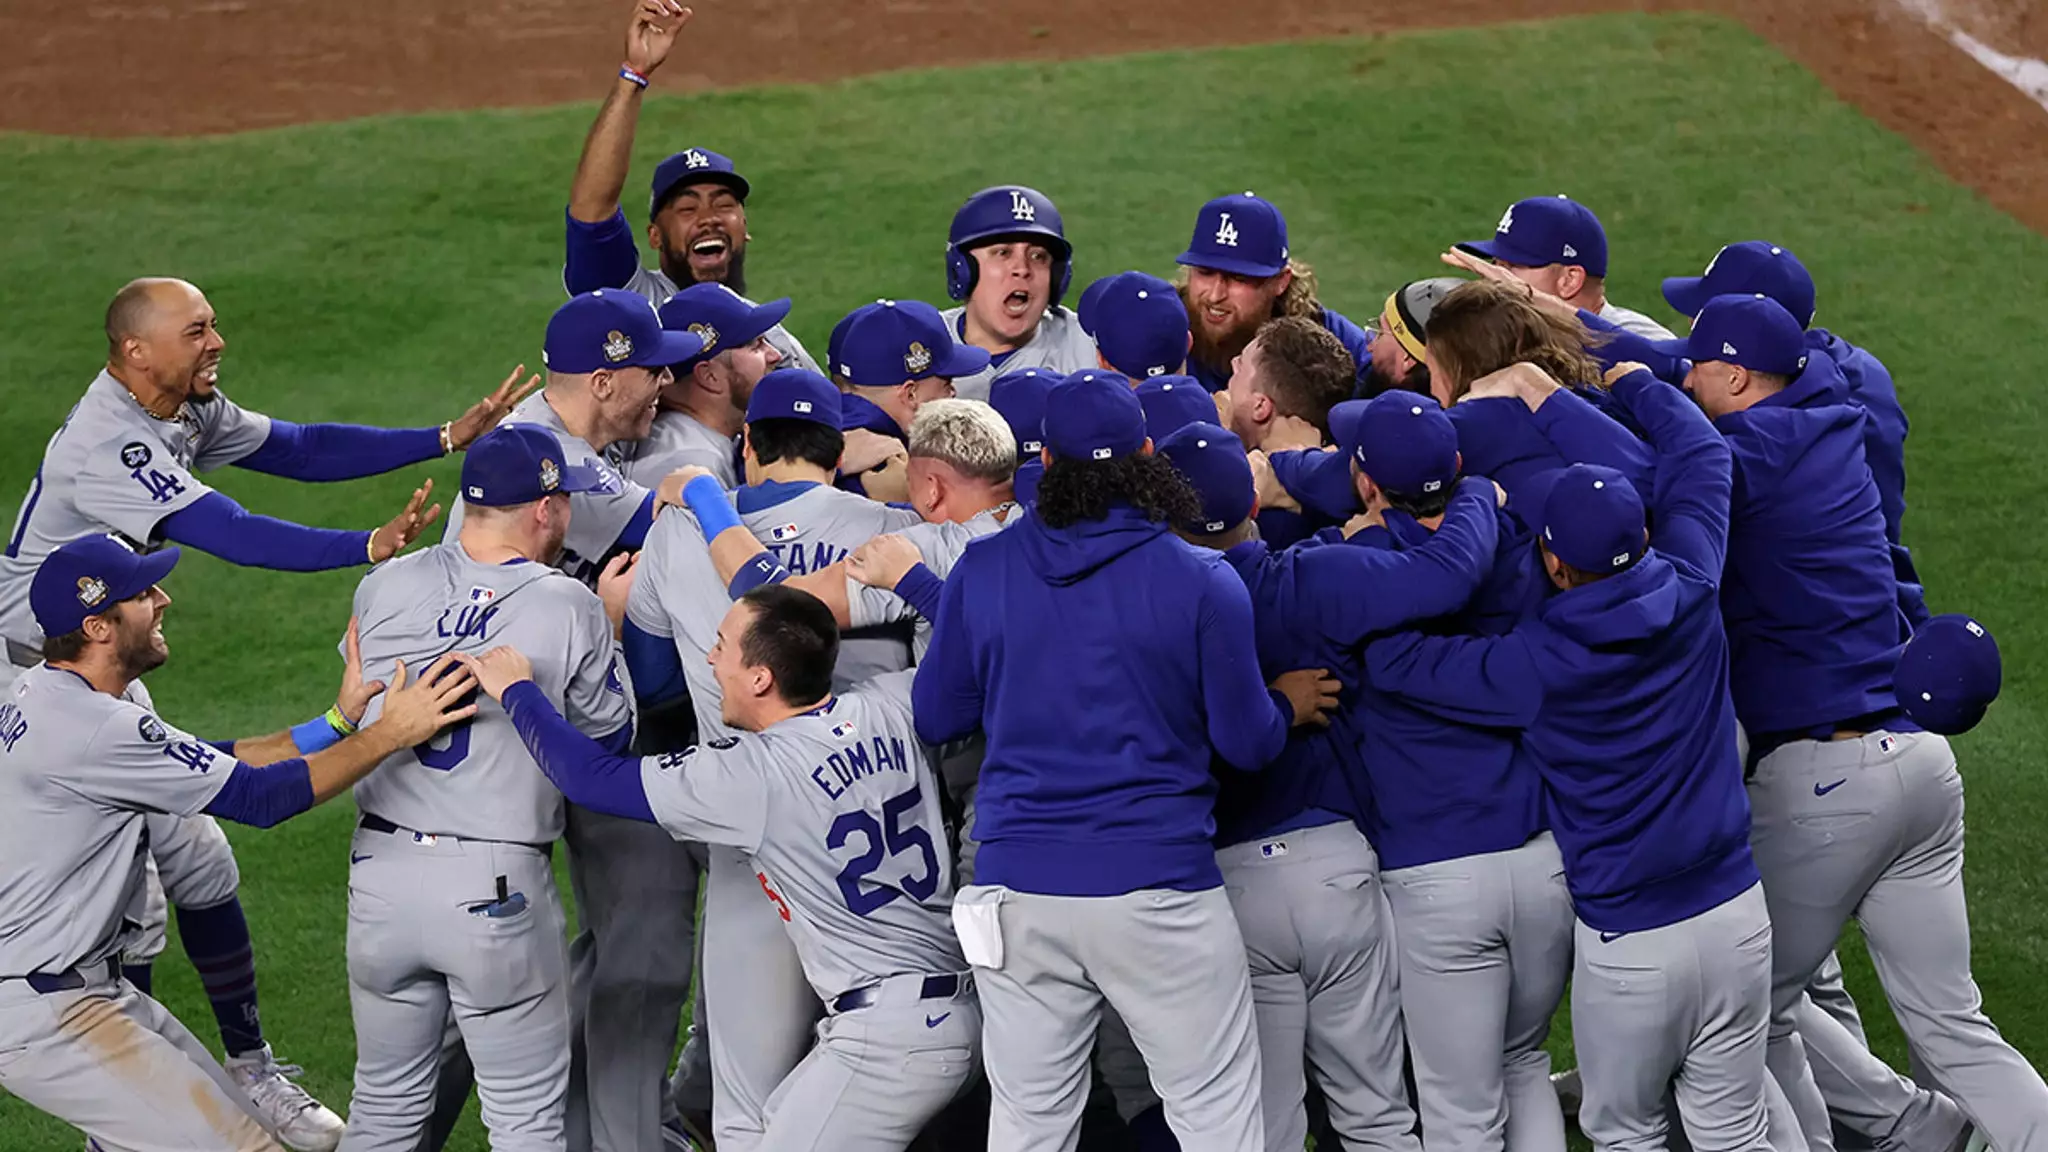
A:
x,y
600,255
587,774
634,534
216,524
1487,682
324,452
1368,590
264,797
1583,434
1247,722
1321,481
946,696
922,589
1695,472
656,669
1618,344
764,568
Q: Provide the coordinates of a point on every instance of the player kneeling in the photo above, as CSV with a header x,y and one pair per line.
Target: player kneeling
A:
x,y
833,799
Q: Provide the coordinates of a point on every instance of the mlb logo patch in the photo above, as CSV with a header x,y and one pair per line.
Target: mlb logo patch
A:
x,y
1886,743
782,532
844,730
1273,848
482,595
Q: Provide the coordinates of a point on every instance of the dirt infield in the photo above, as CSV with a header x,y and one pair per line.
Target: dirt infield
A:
x,y
94,67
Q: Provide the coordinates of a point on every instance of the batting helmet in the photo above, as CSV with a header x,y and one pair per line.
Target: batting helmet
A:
x,y
994,213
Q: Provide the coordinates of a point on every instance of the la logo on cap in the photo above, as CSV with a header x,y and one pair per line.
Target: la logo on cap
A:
x,y
1020,207
617,346
696,159
917,358
1507,221
91,590
550,476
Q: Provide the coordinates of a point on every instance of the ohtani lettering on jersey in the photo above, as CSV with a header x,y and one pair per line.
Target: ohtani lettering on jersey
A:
x,y
801,558
853,762
13,725
469,619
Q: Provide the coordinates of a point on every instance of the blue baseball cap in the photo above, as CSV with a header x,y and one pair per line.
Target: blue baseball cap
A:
x,y
1024,486
1094,415
612,328
1753,332
694,166
1019,398
1748,268
720,317
1139,324
1948,674
518,464
1592,519
1240,234
1402,440
1213,460
795,394
890,341
1545,230
90,575
1172,403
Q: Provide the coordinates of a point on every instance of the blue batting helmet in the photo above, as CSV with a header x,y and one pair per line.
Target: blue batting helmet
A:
x,y
1005,210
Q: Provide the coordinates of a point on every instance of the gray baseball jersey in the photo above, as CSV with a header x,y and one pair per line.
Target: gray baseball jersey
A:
x,y
940,545
679,439
839,810
113,467
1059,344
1630,320
677,592
654,284
596,518
82,768
476,780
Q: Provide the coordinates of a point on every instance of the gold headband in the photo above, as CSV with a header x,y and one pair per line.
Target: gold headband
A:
x,y
1399,326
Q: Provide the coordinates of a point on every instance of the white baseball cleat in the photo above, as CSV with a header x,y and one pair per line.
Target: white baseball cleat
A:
x,y
302,1123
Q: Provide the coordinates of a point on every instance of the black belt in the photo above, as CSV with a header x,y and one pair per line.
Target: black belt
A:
x,y
934,988
1763,744
46,983
371,822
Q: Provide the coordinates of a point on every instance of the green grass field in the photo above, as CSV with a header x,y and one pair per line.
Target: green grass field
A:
x,y
390,271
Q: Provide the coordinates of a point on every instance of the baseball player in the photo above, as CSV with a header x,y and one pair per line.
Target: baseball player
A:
x,y
84,759
831,800
1282,387
452,904
753,982
1556,245
126,460
1094,879
696,213
1138,324
1302,878
1019,397
1174,402
1237,273
1474,880
702,408
1399,357
1619,686
891,358
1858,812
1008,262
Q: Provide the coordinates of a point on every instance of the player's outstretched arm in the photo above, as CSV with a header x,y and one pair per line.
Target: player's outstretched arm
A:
x,y
322,731
894,563
1695,470
587,774
608,149
216,525
1490,682
1361,591
321,453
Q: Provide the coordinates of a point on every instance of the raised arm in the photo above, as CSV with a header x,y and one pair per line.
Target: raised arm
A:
x,y
1695,472
327,452
608,149
1486,682
217,525
1360,591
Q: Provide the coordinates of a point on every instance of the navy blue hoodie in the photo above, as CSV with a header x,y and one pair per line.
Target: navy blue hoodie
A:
x,y
1620,688
1810,596
1884,450
1104,661
1313,605
1441,790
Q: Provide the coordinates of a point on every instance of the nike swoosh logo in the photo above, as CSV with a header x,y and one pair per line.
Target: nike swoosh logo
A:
x,y
1824,789
1611,937
935,1021
355,859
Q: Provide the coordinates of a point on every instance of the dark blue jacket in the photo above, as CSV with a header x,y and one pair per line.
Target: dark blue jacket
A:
x,y
1884,450
1105,661
1620,688
1356,341
1313,605
1441,790
1810,598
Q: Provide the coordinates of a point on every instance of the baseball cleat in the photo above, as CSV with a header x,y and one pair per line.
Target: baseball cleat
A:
x,y
1570,1093
301,1123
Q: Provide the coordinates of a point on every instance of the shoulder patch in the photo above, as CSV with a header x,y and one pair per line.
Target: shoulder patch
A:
x,y
669,761
135,454
152,729
722,743
611,678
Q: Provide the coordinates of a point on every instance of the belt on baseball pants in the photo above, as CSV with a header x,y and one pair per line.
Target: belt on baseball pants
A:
x,y
1764,743
934,988
45,983
371,822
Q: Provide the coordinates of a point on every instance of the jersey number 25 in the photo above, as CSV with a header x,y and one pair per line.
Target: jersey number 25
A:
x,y
886,837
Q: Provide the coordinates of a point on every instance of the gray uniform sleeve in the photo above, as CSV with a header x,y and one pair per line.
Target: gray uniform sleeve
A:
x,y
137,763
711,794
939,544
643,603
130,484
227,433
598,517
596,699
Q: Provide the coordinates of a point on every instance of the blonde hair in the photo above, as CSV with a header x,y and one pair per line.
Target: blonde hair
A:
x,y
1299,300
967,434
1483,327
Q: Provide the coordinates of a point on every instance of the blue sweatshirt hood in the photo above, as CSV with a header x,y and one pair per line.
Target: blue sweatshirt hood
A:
x,y
1635,605
1064,555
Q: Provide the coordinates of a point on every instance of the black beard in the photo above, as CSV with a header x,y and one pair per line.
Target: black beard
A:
x,y
203,399
139,658
676,266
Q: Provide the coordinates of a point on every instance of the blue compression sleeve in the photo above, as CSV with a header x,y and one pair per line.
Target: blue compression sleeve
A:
x,y
324,452
600,255
579,766
656,669
634,534
712,507
264,797
922,589
217,525
314,735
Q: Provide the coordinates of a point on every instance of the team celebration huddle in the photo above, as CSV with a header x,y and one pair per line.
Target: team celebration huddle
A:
x,y
1111,712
